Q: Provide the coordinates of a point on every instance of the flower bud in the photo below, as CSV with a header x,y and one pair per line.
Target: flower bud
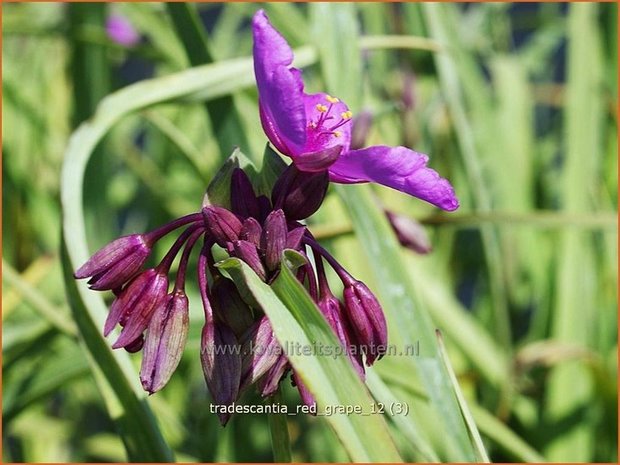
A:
x,y
273,239
294,237
223,225
221,364
116,263
299,194
134,306
269,383
165,341
265,207
247,252
306,397
410,233
251,231
260,350
229,307
242,197
331,308
367,319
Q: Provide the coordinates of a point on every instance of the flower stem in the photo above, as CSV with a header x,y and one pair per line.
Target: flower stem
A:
x,y
160,232
179,283
280,441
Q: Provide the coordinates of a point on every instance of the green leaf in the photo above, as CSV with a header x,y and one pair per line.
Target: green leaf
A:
x,y
297,322
481,453
405,423
570,385
335,32
117,380
273,166
224,117
406,321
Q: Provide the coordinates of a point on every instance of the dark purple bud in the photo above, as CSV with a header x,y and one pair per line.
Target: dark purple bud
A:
x,y
299,194
331,308
242,197
293,239
260,350
165,341
134,306
223,225
221,364
265,207
360,129
116,263
367,320
269,383
410,233
306,397
229,307
247,252
273,239
251,231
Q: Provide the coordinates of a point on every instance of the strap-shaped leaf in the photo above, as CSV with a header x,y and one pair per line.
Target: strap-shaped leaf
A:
x,y
297,322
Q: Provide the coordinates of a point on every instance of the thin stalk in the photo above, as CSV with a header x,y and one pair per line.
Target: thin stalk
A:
x,y
280,440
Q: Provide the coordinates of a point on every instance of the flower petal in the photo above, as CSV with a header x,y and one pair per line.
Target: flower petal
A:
x,y
280,87
397,167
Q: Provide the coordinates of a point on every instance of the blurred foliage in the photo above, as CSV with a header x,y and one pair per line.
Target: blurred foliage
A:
x,y
516,105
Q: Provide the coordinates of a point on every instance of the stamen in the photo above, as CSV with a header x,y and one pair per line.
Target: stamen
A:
x,y
346,114
321,108
331,99
337,133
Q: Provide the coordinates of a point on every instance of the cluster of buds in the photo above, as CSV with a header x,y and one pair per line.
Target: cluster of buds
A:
x,y
256,229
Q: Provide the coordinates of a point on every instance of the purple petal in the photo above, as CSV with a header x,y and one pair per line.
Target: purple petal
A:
x,y
397,167
280,87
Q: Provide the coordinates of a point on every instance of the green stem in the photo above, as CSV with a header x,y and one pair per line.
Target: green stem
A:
x,y
542,219
280,441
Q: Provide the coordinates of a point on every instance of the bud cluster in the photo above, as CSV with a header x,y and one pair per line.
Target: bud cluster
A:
x,y
154,316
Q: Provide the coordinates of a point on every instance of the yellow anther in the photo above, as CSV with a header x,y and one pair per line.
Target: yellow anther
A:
x,y
337,134
346,114
321,108
331,99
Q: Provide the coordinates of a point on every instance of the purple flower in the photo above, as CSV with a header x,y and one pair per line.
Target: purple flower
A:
x,y
315,130
121,31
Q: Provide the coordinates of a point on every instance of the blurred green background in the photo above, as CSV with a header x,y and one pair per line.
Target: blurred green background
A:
x,y
515,104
